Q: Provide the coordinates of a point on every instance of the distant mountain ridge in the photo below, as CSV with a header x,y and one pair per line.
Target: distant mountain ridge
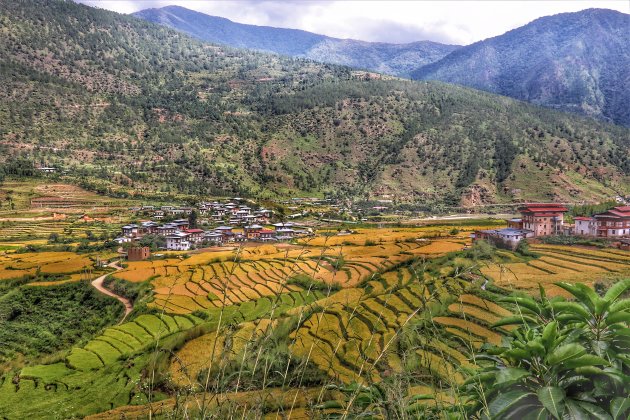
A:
x,y
394,59
577,62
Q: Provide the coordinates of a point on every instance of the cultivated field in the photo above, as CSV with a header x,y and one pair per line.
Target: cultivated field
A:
x,y
363,308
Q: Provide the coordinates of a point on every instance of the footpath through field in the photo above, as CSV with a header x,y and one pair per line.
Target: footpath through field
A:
x,y
98,285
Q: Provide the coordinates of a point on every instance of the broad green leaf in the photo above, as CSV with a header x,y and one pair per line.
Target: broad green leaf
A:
x,y
549,334
564,353
575,412
518,354
509,400
618,317
585,360
617,290
618,406
572,308
510,375
552,398
525,302
620,305
582,292
595,411
589,370
601,306
515,320
536,414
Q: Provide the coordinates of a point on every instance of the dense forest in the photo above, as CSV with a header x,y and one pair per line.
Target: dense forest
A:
x,y
121,105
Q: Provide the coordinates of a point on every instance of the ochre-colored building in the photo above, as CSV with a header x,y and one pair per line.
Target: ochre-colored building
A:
x,y
138,253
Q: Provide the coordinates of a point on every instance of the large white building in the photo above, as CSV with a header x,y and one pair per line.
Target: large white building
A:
x,y
178,241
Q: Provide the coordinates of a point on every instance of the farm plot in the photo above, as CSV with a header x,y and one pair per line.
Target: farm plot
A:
x,y
559,263
347,339
183,288
17,265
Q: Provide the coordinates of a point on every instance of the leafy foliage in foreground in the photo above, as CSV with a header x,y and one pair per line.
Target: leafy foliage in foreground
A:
x,y
567,359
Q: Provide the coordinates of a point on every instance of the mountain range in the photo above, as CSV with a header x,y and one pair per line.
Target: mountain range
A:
x,y
124,106
575,62
395,59
578,62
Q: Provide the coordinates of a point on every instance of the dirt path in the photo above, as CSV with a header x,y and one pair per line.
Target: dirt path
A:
x,y
98,285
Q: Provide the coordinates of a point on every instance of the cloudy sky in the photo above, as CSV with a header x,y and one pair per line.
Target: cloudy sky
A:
x,y
454,22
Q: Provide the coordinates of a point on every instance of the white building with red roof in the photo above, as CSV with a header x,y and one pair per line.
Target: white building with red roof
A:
x,y
613,223
543,218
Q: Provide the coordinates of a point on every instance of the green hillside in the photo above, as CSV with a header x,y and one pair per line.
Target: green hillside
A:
x,y
121,104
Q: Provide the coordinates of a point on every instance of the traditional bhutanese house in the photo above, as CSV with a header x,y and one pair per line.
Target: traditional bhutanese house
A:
x,y
226,231
252,231
181,224
178,241
195,235
235,221
167,229
543,218
149,227
614,222
284,233
585,226
239,237
504,238
242,213
158,214
130,230
214,237
285,225
266,235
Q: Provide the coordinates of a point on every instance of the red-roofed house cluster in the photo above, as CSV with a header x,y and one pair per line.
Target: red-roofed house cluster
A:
x,y
544,219
613,223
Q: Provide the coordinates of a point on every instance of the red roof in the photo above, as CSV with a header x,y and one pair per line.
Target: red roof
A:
x,y
586,219
543,207
267,231
622,211
194,231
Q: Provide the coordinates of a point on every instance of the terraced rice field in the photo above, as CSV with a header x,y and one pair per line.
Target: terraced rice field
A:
x,y
16,265
349,339
184,286
12,231
560,263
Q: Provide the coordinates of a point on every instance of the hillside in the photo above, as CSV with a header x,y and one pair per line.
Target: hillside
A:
x,y
574,62
395,59
126,106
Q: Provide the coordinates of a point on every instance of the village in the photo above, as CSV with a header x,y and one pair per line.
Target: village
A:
x,y
236,223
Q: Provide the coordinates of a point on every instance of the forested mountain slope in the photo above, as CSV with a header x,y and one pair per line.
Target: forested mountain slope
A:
x,y
126,105
575,62
395,59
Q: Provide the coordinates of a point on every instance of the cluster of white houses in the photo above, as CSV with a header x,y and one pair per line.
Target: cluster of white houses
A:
x,y
231,212
543,219
180,237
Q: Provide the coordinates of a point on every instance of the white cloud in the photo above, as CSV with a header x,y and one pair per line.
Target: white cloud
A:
x,y
457,22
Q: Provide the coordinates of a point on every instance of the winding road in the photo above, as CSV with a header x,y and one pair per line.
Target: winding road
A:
x,y
98,285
